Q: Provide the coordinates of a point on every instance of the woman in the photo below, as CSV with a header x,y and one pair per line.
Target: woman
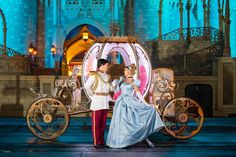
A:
x,y
133,119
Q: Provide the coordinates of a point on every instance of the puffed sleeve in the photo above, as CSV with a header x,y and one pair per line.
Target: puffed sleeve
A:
x,y
89,83
137,82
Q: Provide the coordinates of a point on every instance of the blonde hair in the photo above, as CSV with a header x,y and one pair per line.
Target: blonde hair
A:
x,y
132,68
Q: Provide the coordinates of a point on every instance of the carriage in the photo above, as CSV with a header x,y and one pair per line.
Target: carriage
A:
x,y
48,116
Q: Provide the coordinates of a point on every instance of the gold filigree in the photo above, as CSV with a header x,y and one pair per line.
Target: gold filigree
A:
x,y
116,39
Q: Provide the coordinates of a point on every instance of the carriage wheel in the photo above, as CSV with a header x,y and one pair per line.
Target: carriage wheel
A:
x,y
47,118
183,118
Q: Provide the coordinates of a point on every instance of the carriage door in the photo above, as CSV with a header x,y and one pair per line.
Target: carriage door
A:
x,y
202,94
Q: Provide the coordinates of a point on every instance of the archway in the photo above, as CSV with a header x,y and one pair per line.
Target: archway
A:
x,y
77,42
202,94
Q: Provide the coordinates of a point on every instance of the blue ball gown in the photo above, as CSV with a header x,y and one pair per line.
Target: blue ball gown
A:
x,y
132,120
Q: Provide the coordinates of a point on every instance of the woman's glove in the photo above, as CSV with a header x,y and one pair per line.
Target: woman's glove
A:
x,y
114,82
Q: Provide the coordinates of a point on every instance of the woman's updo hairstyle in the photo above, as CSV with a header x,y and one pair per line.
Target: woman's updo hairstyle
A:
x,y
132,68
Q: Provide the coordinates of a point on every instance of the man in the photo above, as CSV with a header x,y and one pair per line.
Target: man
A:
x,y
98,87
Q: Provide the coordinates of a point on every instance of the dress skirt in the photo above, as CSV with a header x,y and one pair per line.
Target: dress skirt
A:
x,y
132,121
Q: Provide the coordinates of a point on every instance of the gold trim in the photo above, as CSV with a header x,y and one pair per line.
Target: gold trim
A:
x,y
94,128
116,39
101,93
97,76
95,84
106,82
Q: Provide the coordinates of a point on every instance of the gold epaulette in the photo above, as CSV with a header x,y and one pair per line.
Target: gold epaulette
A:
x,y
95,84
93,73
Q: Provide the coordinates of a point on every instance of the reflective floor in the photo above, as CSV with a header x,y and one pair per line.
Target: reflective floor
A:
x,y
217,138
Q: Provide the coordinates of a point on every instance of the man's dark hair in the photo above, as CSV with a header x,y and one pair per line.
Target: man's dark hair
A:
x,y
102,62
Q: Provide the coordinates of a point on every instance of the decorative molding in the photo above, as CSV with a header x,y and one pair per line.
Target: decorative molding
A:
x,y
116,39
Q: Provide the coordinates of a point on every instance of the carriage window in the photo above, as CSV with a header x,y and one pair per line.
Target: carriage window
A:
x,y
117,64
115,58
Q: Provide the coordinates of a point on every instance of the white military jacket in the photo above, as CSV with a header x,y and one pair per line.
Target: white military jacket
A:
x,y
99,102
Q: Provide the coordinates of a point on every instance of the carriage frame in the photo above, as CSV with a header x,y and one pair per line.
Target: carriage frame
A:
x,y
48,116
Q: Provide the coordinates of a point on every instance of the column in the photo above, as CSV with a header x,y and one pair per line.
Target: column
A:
x,y
205,13
208,13
181,37
188,20
40,38
4,31
115,10
160,20
227,30
220,16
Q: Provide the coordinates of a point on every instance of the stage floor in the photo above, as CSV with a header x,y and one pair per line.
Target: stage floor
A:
x,y
217,138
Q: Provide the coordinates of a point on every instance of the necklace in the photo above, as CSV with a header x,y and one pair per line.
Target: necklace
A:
x,y
129,80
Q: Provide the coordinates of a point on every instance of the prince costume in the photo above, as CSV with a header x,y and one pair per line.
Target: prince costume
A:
x,y
98,87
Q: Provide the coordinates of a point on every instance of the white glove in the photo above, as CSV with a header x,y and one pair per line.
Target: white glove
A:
x,y
114,82
121,79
